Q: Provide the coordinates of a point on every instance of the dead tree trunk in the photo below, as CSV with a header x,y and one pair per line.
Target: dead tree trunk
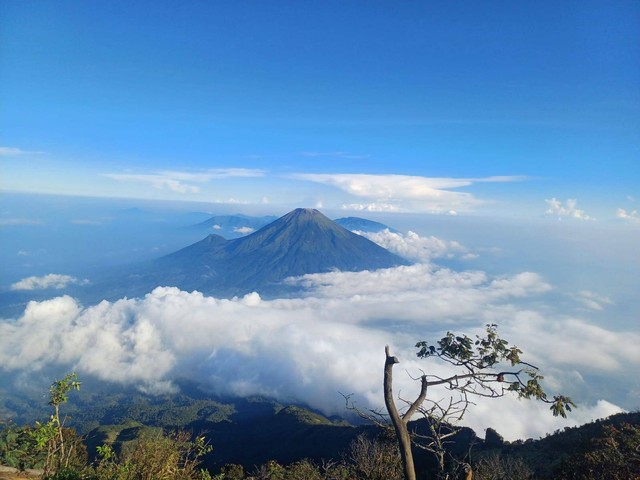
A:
x,y
400,423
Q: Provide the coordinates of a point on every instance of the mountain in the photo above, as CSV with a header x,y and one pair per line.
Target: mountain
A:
x,y
363,225
303,241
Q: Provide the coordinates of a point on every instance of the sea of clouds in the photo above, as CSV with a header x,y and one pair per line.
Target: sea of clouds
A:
x,y
330,341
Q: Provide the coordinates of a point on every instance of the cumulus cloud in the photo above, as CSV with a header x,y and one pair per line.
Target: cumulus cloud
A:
x,y
404,192
631,216
244,230
182,182
414,247
52,280
330,340
567,210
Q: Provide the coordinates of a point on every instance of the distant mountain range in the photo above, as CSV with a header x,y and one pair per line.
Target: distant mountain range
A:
x,y
238,225
303,241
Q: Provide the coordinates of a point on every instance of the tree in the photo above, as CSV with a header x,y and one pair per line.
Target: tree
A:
x,y
59,393
58,441
476,361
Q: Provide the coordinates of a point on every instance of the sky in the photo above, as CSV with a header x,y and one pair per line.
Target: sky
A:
x,y
500,139
496,108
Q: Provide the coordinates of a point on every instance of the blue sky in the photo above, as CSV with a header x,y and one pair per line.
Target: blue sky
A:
x,y
489,108
501,138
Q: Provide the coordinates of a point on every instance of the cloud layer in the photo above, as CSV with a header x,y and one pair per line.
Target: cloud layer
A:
x,y
309,349
417,248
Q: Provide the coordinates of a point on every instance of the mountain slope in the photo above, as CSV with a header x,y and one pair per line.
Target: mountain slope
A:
x,y
303,241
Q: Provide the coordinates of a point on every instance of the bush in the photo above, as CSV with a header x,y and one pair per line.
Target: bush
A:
x,y
18,448
497,467
159,457
375,459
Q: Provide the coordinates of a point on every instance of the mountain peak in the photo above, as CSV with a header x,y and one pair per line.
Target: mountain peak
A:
x,y
308,211
304,213
302,241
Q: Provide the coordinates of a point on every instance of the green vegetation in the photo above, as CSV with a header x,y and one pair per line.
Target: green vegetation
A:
x,y
261,440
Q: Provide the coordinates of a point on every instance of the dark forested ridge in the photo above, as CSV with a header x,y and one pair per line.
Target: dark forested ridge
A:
x,y
251,432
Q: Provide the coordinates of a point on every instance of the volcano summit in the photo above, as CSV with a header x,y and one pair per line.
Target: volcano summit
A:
x,y
303,241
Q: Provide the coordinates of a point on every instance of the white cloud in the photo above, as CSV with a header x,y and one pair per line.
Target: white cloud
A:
x,y
575,343
404,192
244,230
568,210
182,182
593,301
212,174
161,182
14,152
52,280
414,247
331,340
508,419
631,216
19,221
371,207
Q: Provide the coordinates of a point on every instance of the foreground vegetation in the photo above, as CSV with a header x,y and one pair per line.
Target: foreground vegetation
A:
x,y
605,449
133,450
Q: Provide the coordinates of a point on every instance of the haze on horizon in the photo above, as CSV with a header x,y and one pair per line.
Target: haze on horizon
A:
x,y
501,140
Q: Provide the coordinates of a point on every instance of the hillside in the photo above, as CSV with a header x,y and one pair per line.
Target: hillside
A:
x,y
253,431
